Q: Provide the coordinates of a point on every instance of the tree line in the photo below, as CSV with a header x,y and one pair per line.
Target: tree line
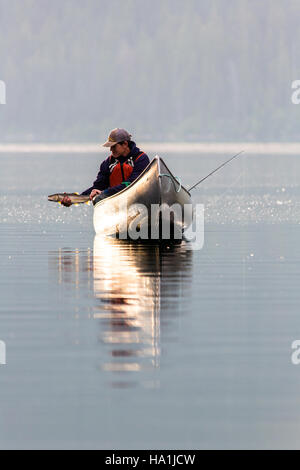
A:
x,y
169,70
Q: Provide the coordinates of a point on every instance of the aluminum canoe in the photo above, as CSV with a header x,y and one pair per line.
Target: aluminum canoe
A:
x,y
140,211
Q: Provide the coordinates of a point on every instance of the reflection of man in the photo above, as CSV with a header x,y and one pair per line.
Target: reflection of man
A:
x,y
119,170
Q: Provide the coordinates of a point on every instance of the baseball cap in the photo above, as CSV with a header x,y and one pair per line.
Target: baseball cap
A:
x,y
117,135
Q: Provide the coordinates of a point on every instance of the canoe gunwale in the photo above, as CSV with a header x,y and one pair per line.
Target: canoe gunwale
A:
x,y
172,176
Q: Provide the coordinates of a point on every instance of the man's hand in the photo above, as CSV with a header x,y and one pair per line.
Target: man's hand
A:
x,y
66,201
94,193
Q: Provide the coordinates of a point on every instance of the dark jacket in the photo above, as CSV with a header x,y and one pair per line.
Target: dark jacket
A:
x,y
102,181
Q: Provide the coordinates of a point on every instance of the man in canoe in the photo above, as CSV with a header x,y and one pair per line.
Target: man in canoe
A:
x,y
119,170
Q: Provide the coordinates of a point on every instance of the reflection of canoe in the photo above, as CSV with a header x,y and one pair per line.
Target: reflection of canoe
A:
x,y
142,210
139,296
134,285
127,284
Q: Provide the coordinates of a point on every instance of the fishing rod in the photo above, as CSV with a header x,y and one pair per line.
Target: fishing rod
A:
x,y
223,164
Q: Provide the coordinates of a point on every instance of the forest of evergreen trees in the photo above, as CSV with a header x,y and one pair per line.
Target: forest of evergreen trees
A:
x,y
169,70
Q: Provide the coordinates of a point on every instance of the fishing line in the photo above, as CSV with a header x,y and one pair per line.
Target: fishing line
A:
x,y
223,164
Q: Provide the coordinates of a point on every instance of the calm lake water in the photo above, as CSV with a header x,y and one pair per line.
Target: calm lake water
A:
x,y
115,345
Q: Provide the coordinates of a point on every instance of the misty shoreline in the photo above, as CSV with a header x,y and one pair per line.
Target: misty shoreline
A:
x,y
291,148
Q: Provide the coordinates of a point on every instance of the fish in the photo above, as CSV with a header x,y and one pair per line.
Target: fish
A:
x,y
75,198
